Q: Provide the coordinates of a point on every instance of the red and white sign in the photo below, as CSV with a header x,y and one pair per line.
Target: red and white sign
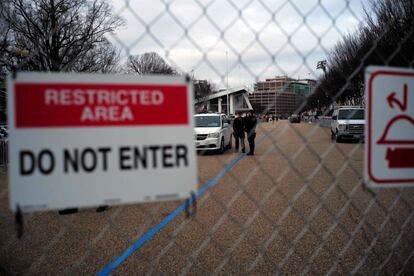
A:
x,y
390,127
93,139
85,105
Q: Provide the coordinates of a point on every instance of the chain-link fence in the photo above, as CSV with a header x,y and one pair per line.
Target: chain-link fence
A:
x,y
298,206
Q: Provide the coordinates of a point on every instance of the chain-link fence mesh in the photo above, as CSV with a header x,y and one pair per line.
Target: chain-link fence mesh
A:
x,y
298,206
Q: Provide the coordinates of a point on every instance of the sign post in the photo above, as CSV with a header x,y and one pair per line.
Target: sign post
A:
x,y
389,150
79,140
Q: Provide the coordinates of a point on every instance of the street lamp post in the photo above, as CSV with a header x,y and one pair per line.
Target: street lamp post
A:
x,y
322,65
275,104
227,83
227,72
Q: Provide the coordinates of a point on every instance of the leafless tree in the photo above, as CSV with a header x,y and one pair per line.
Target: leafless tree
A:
x,y
203,88
57,35
103,58
385,38
148,63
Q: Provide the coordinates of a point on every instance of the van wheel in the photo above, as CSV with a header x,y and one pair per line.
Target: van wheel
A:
x,y
221,150
338,138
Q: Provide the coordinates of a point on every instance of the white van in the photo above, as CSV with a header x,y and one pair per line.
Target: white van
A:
x,y
212,132
348,122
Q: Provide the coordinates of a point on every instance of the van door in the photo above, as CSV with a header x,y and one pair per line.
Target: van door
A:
x,y
226,130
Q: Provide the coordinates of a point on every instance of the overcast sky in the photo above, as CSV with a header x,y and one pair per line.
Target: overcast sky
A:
x,y
251,40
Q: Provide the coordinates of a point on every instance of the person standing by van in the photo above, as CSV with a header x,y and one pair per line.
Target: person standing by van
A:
x,y
238,131
250,128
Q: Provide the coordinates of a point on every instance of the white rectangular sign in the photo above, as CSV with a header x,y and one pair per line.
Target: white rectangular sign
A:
x,y
80,140
389,149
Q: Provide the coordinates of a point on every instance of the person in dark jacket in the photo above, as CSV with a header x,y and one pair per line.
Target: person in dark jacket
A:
x,y
250,123
238,131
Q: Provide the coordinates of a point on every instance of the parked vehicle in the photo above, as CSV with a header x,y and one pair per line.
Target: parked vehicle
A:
x,y
231,118
294,118
212,132
348,123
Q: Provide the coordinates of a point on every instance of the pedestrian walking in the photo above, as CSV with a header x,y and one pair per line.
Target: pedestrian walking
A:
x,y
250,123
238,132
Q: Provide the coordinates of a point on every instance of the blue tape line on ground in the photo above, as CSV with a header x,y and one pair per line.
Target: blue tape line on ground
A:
x,y
108,269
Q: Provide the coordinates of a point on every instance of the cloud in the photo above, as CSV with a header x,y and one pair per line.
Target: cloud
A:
x,y
243,41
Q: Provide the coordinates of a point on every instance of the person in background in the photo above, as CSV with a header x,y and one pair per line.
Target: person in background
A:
x,y
250,123
238,131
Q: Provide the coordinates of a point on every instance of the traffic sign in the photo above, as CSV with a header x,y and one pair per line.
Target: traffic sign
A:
x,y
389,149
80,140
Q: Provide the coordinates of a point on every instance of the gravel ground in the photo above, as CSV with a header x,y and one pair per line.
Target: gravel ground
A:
x,y
297,207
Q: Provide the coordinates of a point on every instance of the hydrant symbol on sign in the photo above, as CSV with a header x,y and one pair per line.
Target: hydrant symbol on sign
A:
x,y
400,154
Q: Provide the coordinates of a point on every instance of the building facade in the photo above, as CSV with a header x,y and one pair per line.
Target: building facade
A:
x,y
280,95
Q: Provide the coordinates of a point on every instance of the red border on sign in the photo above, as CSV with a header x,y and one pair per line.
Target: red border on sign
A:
x,y
371,79
31,111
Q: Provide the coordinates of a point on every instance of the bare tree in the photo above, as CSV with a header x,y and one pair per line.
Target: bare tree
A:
x,y
148,63
103,58
386,38
57,35
203,88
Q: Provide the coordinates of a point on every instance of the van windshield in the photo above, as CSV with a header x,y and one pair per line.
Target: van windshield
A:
x,y
351,114
207,121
